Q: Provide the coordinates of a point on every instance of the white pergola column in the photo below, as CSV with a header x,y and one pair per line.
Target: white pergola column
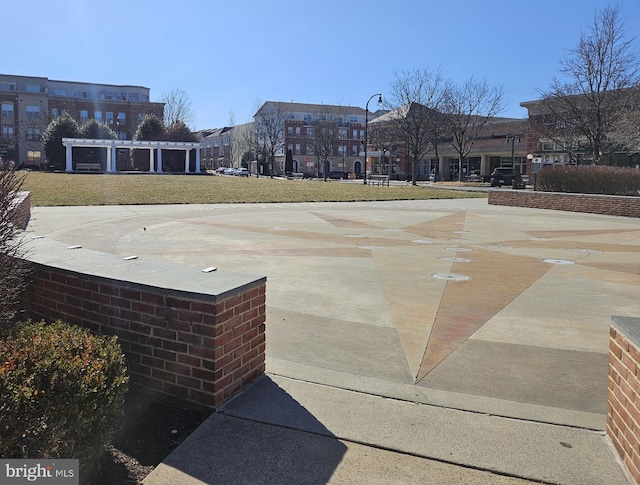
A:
x,y
69,158
485,166
151,152
111,158
186,161
197,161
443,168
159,160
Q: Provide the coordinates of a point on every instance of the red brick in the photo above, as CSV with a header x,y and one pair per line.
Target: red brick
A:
x,y
189,338
190,316
165,355
189,382
175,346
163,375
178,303
231,302
189,360
164,333
203,374
181,369
130,294
205,353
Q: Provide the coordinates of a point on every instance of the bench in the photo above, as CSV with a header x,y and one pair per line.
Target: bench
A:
x,y
87,167
379,180
296,176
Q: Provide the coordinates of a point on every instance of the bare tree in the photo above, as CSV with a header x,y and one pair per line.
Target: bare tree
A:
x,y
269,128
596,91
417,97
177,107
467,108
385,137
14,270
325,135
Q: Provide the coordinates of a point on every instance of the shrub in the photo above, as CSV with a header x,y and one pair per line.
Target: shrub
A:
x,y
590,179
14,270
61,391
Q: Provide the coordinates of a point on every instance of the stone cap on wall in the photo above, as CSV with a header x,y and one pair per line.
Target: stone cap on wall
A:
x,y
629,327
186,280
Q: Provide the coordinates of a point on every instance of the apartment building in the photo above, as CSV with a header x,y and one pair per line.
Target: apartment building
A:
x,y
29,103
301,124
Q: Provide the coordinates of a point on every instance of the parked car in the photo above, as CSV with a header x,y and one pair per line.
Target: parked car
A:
x,y
242,172
500,177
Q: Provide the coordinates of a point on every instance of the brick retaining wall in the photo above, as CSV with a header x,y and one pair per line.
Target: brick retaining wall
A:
x,y
593,203
623,408
193,343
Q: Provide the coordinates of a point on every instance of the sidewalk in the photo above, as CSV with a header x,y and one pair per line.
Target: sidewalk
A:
x,y
447,330
288,431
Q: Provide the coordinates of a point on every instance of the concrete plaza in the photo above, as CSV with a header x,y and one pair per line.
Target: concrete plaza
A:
x,y
405,339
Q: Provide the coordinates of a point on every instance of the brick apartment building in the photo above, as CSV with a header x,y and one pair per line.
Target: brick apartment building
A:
x,y
29,104
301,119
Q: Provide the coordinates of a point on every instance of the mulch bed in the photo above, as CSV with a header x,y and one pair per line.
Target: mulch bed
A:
x,y
149,431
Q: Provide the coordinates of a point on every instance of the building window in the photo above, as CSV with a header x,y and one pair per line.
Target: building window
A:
x,y
122,135
33,112
84,115
7,110
309,150
109,117
354,150
290,130
82,94
7,132
59,92
361,134
353,119
7,87
111,96
140,117
55,112
297,131
33,88
98,116
122,119
33,133
297,152
355,134
145,98
307,118
34,157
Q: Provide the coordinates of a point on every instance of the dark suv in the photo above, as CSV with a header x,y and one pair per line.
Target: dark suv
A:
x,y
501,176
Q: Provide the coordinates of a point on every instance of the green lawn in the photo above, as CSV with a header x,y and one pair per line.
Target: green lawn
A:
x,y
56,189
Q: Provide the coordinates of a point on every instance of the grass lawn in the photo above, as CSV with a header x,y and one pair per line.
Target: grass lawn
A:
x,y
62,189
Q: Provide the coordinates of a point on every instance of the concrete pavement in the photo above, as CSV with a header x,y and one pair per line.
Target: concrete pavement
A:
x,y
444,337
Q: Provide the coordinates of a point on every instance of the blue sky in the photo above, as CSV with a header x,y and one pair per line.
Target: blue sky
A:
x,y
230,55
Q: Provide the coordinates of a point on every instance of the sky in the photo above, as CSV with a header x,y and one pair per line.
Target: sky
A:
x,y
230,56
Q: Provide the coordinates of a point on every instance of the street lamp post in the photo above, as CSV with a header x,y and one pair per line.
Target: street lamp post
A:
x,y
366,124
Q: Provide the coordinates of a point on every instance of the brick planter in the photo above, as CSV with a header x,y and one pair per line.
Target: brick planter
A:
x,y
623,408
593,203
191,338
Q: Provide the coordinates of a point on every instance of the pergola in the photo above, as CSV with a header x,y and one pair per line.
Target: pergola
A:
x,y
111,145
